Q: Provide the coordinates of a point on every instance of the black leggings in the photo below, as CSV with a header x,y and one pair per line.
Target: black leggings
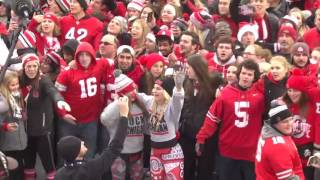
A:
x,y
41,145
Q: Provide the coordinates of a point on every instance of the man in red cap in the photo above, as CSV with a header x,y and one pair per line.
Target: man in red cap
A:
x,y
286,38
80,26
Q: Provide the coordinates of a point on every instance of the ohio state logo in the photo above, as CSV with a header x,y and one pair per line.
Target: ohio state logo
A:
x,y
301,127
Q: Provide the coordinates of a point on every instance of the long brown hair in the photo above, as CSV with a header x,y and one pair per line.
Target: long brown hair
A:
x,y
207,84
302,103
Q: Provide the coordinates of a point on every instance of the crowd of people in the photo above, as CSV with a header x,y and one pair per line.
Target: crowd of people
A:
x,y
161,89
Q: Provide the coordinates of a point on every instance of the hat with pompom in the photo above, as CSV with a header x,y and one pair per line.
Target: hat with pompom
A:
x,y
122,83
278,112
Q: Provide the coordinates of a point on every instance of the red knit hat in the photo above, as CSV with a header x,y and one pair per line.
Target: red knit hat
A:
x,y
297,80
51,17
28,58
290,30
27,39
151,59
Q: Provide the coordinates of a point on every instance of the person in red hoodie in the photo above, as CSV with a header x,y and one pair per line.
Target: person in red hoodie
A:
x,y
238,113
81,88
81,26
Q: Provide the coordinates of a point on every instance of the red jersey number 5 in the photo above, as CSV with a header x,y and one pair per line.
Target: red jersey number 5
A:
x,y
241,113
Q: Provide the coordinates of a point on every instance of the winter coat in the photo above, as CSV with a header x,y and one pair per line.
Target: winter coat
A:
x,y
15,140
95,168
40,107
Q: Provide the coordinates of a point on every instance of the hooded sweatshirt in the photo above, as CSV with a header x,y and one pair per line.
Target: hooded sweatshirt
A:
x,y
81,87
277,156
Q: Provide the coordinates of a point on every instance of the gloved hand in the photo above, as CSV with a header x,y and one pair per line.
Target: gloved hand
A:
x,y
63,105
199,149
179,77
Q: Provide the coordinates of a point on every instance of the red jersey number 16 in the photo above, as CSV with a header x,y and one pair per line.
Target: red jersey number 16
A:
x,y
242,116
88,87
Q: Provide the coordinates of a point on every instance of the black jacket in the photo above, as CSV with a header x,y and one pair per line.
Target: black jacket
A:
x,y
40,107
93,169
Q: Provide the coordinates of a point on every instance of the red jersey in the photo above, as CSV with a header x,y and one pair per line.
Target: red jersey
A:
x,y
277,158
81,87
88,29
240,116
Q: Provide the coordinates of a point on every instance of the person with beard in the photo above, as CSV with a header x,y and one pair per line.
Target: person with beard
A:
x,y
165,40
300,59
13,137
312,36
286,38
223,56
126,62
237,113
189,45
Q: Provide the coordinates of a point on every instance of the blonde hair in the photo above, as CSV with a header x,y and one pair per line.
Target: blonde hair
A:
x,y
4,86
145,31
56,30
158,110
282,60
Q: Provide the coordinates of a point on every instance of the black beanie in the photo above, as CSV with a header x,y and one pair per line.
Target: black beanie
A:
x,y
83,4
69,148
278,112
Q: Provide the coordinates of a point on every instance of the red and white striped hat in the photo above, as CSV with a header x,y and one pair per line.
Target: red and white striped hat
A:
x,y
136,4
27,39
28,58
123,84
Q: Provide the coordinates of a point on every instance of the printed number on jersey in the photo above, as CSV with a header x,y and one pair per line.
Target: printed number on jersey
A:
x,y
240,109
78,34
88,87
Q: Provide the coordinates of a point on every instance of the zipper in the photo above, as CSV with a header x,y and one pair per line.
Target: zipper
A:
x,y
43,119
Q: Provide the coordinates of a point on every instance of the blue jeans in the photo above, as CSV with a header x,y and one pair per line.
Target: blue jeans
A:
x,y
87,132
